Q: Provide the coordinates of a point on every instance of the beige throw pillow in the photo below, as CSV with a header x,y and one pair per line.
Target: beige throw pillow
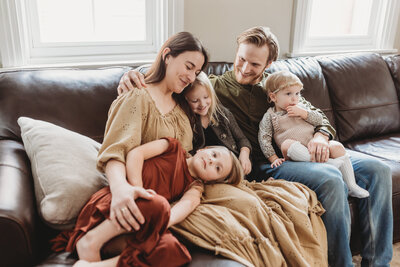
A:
x,y
64,170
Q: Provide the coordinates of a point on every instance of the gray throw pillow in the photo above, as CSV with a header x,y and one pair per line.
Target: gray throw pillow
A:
x,y
64,170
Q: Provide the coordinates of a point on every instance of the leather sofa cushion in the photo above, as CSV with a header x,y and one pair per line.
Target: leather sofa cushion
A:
x,y
76,99
218,68
200,258
17,220
362,94
386,148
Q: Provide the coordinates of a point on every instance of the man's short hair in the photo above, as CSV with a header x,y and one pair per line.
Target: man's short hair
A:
x,y
261,36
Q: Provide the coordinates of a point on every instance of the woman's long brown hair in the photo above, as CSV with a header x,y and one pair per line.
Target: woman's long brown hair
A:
x,y
178,44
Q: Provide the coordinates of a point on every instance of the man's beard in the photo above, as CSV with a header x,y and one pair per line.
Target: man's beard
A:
x,y
252,79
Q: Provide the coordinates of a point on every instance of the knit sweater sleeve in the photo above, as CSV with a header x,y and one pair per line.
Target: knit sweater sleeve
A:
x,y
124,118
325,125
314,117
265,134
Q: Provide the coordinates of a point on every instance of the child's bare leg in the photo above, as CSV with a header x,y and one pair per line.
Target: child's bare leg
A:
x,y
338,153
112,262
294,150
89,246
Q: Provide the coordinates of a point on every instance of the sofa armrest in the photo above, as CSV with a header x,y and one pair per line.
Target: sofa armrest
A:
x,y
17,206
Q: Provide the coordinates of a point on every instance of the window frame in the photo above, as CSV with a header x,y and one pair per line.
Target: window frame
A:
x,y
20,47
380,37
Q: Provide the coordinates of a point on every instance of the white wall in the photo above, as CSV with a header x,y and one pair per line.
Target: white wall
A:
x,y
397,40
218,22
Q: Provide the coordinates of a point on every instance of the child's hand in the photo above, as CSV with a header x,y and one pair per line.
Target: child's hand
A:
x,y
296,111
277,162
245,162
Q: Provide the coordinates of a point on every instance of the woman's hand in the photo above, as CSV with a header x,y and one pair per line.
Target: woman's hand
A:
x,y
244,158
319,148
123,211
126,85
277,162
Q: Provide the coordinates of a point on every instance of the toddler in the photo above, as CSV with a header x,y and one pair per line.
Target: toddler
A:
x,y
291,125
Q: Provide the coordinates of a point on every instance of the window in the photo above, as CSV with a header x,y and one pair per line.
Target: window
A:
x,y
93,20
85,31
325,26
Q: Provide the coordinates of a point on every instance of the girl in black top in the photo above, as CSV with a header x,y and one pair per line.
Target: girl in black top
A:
x,y
212,123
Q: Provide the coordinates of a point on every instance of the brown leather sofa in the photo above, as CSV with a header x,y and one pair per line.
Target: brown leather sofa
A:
x,y
358,92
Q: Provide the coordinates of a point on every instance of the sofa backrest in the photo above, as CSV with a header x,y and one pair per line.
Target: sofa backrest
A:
x,y
77,99
356,92
393,63
362,94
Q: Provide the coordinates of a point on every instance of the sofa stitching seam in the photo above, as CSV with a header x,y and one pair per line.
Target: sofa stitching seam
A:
x,y
366,107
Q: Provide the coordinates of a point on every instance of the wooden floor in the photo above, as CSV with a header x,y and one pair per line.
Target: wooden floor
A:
x,y
395,261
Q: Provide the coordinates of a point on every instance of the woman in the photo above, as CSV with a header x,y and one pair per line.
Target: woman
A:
x,y
136,118
141,116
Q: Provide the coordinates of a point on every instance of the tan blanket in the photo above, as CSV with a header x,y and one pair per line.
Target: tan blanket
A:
x,y
273,223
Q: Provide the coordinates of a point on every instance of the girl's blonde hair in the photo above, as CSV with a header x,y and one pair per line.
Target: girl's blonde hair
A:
x,y
280,80
215,108
236,174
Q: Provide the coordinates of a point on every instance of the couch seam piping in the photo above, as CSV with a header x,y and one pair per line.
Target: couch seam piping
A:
x,y
8,165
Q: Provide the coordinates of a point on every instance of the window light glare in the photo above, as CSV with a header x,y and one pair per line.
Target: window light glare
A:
x,y
91,20
340,17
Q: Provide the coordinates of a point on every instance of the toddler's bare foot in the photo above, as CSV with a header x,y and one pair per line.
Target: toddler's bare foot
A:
x,y
81,263
88,249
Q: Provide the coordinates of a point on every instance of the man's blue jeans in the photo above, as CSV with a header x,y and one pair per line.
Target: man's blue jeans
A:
x,y
375,212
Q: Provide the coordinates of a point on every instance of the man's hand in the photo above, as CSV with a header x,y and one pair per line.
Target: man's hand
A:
x,y
296,111
130,80
123,211
319,148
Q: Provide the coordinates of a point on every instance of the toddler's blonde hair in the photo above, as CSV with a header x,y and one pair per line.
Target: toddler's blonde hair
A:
x,y
280,80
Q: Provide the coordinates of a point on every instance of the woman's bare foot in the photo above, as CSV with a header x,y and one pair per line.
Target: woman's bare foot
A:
x,y
88,249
